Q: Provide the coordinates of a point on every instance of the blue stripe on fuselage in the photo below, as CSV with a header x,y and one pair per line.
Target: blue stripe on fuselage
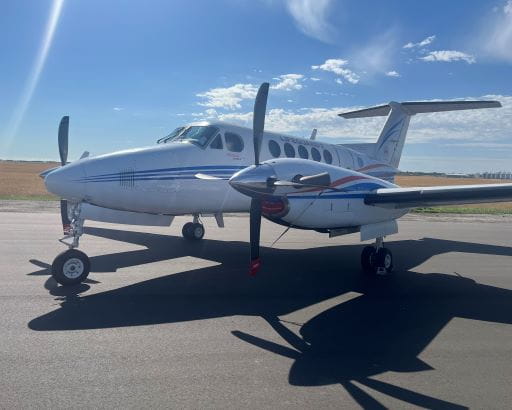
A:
x,y
212,169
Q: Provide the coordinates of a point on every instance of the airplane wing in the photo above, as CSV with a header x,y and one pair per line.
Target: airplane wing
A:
x,y
439,195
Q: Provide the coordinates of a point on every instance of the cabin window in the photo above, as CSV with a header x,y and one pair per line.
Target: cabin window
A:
x,y
327,156
234,142
217,142
289,150
315,154
274,148
303,152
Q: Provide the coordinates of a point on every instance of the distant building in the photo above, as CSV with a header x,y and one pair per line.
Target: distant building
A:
x,y
496,175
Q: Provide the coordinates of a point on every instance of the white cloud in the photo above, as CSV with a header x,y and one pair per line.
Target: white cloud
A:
x,y
338,81
377,56
228,97
311,17
288,82
496,35
422,43
491,126
314,79
337,66
118,108
393,73
449,56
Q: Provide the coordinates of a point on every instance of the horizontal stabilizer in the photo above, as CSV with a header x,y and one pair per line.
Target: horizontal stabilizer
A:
x,y
414,107
439,195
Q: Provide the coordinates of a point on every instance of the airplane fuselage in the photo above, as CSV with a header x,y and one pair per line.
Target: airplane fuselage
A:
x,y
161,179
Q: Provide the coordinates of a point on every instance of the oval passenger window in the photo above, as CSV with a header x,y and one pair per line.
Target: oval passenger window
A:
x,y
274,148
303,152
289,150
315,154
327,156
234,142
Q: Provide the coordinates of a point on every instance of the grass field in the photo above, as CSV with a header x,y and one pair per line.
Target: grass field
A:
x,y
20,180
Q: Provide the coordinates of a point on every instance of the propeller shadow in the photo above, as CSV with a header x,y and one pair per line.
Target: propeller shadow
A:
x,y
384,329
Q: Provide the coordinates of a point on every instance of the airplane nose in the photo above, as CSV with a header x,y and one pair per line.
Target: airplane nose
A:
x,y
67,182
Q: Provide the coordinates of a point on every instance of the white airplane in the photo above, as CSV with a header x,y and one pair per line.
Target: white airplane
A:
x,y
204,169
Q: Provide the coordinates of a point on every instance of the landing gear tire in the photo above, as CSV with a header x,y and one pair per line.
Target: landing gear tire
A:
x,y
383,261
193,231
71,267
368,259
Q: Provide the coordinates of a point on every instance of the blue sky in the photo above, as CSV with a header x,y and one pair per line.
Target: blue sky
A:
x,y
128,72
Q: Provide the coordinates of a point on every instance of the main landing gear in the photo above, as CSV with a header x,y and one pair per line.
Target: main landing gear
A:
x,y
72,267
377,259
193,230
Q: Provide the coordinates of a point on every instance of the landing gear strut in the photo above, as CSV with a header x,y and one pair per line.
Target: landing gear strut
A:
x,y
72,266
377,259
193,230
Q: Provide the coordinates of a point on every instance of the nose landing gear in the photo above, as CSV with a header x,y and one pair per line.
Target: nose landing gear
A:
x,y
377,259
72,266
193,230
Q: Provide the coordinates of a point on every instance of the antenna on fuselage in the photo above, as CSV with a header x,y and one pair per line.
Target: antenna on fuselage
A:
x,y
313,134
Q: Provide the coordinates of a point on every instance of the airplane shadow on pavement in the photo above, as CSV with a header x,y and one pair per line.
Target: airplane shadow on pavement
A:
x,y
384,329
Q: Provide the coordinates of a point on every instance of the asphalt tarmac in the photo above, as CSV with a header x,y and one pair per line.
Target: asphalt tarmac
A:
x,y
163,322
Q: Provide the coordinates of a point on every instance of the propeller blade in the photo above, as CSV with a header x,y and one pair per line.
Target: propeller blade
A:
x,y
258,121
208,177
255,227
66,223
63,139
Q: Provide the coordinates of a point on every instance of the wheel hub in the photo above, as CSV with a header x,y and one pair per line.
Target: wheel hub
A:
x,y
73,268
387,261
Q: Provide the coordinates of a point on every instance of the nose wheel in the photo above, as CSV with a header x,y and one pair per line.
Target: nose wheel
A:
x,y
377,259
71,267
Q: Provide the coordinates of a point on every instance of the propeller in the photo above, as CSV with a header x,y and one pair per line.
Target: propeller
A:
x,y
63,137
258,126
258,120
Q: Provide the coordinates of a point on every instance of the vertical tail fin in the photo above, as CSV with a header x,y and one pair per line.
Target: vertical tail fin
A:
x,y
389,146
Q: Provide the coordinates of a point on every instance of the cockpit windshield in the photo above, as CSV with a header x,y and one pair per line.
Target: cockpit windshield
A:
x,y
199,135
171,136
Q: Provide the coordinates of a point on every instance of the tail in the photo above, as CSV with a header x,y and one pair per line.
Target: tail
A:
x,y
389,146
